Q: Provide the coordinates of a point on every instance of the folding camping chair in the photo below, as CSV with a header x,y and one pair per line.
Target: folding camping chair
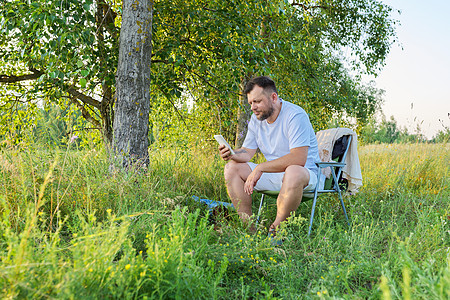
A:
x,y
331,185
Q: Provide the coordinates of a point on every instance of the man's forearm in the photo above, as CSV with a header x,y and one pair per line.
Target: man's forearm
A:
x,y
296,157
243,155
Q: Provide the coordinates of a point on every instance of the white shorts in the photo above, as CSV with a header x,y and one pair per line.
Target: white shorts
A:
x,y
273,181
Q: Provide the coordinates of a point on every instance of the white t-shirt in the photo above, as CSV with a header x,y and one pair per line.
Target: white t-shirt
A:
x,y
291,129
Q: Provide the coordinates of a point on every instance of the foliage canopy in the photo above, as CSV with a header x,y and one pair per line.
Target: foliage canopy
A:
x,y
66,53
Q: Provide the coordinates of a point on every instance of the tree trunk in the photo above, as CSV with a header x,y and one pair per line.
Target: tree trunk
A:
x,y
130,141
244,114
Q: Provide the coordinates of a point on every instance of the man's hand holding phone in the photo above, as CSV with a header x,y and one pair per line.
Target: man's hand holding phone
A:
x,y
225,150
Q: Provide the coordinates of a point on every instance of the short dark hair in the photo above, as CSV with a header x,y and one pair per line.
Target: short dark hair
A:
x,y
263,81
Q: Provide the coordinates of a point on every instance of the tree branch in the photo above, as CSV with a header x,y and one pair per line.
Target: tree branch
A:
x,y
175,107
305,7
83,129
13,78
203,79
85,113
108,20
209,9
36,74
83,98
164,61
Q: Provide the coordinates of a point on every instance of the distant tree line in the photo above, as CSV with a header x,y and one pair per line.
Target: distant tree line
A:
x,y
54,127
387,131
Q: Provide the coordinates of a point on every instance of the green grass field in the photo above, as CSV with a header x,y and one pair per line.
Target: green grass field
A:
x,y
72,230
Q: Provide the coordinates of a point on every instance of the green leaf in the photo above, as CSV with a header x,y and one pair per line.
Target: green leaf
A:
x,y
83,82
79,63
84,72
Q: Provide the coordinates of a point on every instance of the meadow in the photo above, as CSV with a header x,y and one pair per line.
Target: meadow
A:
x,y
70,229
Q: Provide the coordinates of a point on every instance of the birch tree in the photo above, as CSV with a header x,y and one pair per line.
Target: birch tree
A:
x,y
133,83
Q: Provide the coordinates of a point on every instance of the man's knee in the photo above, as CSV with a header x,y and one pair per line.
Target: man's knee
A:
x,y
234,169
296,177
230,169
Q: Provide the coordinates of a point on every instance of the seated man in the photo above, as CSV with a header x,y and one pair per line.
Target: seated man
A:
x,y
283,133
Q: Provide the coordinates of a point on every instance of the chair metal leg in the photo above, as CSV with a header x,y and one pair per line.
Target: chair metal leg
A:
x,y
336,186
312,210
259,210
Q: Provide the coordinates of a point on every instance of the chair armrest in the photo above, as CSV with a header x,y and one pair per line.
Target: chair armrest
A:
x,y
330,164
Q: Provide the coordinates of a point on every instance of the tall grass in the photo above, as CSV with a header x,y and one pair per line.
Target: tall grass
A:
x,y
70,229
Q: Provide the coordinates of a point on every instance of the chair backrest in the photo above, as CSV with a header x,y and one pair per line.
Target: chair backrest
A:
x,y
340,150
344,155
339,147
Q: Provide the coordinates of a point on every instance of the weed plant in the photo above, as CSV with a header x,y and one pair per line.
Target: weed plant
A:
x,y
70,229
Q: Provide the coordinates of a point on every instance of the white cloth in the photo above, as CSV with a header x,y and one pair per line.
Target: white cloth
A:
x,y
291,129
352,169
273,181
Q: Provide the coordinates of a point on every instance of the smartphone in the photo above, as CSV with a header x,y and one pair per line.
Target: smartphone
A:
x,y
219,138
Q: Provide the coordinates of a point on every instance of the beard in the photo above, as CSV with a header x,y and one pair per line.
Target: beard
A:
x,y
266,114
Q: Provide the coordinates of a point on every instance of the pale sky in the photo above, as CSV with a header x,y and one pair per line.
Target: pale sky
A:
x,y
420,73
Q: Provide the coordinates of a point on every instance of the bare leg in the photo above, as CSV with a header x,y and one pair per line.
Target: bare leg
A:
x,y
295,179
235,176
